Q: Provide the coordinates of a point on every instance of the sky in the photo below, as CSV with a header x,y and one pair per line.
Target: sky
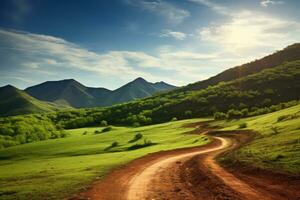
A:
x,y
109,43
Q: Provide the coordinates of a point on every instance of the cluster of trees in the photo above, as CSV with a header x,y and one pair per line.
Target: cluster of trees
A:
x,y
254,111
248,96
25,129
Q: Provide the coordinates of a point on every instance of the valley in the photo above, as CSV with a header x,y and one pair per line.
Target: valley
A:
x,y
235,138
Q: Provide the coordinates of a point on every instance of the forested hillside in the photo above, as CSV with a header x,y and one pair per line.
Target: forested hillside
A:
x,y
288,54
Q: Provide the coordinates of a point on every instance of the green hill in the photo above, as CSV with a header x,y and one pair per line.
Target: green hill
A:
x,y
15,102
77,95
288,54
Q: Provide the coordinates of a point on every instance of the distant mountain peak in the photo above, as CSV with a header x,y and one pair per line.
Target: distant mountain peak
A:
x,y
8,87
139,79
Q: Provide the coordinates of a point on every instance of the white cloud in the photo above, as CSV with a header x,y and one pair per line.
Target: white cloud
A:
x,y
215,7
174,34
167,10
248,30
266,3
41,56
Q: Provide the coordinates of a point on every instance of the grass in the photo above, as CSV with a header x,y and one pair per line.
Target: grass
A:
x,y
277,144
55,169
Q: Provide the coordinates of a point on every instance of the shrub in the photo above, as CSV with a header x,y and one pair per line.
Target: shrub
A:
x,y
106,129
84,133
174,119
243,125
103,123
136,124
97,131
220,115
136,137
138,146
114,144
234,114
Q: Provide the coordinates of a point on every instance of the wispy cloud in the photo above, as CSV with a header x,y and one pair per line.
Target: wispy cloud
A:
x,y
266,3
162,8
45,57
173,34
214,6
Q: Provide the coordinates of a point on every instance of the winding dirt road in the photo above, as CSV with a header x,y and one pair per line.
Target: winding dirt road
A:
x,y
191,174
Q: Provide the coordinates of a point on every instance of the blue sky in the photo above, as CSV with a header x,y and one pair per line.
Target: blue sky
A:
x,y
108,43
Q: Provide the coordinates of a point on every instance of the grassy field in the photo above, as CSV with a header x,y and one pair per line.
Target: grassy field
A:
x,y
277,145
54,169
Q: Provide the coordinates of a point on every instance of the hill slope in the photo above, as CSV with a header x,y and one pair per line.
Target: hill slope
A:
x,y
290,53
14,101
77,95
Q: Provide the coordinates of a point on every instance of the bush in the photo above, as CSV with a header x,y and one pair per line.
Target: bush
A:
x,y
138,146
174,119
136,137
220,115
136,124
243,125
103,123
234,114
84,133
114,144
106,129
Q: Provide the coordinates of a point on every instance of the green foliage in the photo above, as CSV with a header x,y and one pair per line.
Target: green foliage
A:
x,y
97,132
219,115
136,137
174,119
106,129
243,125
103,123
146,143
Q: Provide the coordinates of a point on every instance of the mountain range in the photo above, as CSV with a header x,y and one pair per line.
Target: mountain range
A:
x,y
72,93
54,95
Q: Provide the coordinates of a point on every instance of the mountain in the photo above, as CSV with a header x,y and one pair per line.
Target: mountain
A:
x,y
75,94
68,92
138,88
14,102
290,53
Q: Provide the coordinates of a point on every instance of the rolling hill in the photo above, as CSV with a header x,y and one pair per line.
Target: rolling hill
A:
x,y
290,53
75,94
14,101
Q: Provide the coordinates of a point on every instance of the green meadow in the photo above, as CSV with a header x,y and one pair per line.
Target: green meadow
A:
x,y
277,143
58,168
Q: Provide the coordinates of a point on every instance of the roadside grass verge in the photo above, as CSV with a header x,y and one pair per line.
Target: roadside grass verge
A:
x,y
277,143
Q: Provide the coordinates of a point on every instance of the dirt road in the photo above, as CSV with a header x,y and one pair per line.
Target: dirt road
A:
x,y
191,174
